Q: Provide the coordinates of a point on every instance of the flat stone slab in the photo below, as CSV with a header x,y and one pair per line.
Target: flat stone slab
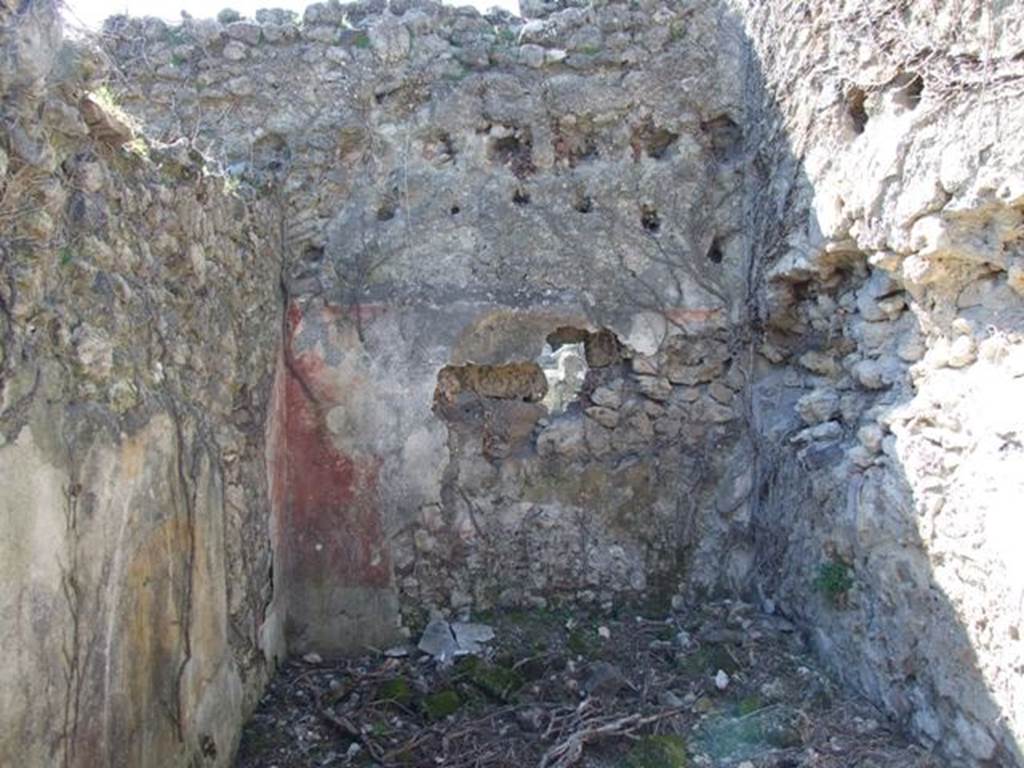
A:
x,y
445,641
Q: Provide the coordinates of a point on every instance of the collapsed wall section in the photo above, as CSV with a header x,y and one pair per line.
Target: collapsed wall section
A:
x,y
891,265
139,319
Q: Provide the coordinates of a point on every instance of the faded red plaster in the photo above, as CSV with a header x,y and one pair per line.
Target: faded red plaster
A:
x,y
332,532
365,312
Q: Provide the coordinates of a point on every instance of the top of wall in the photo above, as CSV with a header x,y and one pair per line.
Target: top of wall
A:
x,y
554,159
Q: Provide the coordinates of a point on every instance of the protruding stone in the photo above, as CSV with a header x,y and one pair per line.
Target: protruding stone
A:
x,y
244,31
606,417
962,352
655,388
870,374
235,51
818,406
820,363
870,436
720,393
531,55
606,397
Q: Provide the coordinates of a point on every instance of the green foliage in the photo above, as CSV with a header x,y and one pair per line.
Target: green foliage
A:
x,y
579,642
177,35
749,704
361,40
667,751
138,147
106,99
834,581
396,690
499,682
504,36
381,729
65,255
708,659
438,706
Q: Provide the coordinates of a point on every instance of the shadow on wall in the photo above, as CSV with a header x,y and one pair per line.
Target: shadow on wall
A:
x,y
887,469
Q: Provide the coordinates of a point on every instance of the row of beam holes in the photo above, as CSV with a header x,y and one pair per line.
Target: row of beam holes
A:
x,y
582,204
649,219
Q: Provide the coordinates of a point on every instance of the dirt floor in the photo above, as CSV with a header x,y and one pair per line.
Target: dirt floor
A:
x,y
725,686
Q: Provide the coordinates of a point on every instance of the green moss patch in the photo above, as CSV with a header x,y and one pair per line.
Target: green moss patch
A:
x,y
749,704
667,751
396,690
497,681
708,659
438,706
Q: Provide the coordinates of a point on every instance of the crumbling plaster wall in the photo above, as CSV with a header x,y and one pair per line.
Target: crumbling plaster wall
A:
x,y
890,377
454,188
139,320
800,222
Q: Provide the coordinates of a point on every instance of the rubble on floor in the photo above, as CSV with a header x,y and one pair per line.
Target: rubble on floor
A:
x,y
725,685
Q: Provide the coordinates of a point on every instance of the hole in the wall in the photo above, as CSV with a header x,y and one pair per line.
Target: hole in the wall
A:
x,y
455,210
514,150
715,253
271,153
856,99
574,143
440,149
565,368
909,90
566,334
652,141
310,263
388,206
583,204
658,143
649,218
521,197
380,96
208,746
725,136
555,379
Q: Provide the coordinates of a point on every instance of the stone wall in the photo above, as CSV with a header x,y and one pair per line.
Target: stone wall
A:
x,y
139,318
456,189
890,276
786,238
